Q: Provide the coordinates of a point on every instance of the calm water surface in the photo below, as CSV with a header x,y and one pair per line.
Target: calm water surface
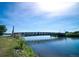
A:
x,y
56,47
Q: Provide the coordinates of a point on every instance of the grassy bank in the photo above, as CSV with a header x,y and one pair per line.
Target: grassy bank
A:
x,y
14,47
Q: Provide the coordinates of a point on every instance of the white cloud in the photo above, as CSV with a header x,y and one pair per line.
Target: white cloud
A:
x,y
27,16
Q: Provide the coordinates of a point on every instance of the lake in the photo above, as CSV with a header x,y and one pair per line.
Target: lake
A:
x,y
56,47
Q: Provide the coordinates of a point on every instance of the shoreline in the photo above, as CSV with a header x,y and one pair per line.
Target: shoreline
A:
x,y
15,47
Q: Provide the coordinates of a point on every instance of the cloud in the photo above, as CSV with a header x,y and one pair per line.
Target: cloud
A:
x,y
27,17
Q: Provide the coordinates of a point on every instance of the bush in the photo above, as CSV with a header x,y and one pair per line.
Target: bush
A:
x,y
2,29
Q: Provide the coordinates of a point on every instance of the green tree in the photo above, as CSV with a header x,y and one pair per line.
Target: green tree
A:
x,y
2,29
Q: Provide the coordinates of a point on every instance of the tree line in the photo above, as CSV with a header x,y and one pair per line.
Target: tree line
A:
x,y
2,29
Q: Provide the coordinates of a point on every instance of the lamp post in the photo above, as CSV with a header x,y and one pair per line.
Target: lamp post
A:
x,y
13,31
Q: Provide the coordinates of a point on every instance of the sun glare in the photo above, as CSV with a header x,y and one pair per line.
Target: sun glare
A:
x,y
53,6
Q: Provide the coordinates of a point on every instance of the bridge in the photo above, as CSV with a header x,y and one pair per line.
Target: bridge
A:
x,y
24,34
27,34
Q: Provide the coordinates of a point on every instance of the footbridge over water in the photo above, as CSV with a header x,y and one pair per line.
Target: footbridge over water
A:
x,y
25,34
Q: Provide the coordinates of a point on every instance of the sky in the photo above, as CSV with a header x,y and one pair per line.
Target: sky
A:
x,y
40,16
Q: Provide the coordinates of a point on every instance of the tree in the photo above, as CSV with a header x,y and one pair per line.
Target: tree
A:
x,y
2,29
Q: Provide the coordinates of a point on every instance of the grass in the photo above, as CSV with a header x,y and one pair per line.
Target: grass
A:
x,y
14,47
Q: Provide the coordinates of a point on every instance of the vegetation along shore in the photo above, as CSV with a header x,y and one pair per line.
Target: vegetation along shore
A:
x,y
14,46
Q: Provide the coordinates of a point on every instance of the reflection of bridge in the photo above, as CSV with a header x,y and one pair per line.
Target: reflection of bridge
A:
x,y
39,34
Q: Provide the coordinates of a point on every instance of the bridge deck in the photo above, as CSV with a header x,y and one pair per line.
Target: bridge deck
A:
x,y
37,33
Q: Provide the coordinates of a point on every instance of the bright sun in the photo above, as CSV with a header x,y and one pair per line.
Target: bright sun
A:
x,y
53,6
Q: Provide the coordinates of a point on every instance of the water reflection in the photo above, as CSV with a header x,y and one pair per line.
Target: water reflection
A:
x,y
38,41
56,47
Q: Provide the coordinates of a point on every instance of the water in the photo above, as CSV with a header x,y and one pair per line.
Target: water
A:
x,y
59,47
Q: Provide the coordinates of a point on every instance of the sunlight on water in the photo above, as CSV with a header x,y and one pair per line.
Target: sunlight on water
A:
x,y
37,37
